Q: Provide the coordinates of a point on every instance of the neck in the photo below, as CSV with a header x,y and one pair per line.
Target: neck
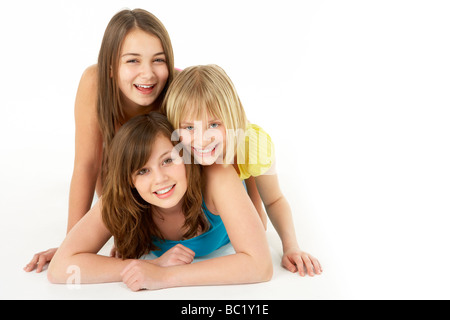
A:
x,y
164,213
131,109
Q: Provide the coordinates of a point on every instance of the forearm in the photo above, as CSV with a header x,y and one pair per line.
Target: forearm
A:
x,y
237,268
78,253
280,215
256,200
86,268
82,188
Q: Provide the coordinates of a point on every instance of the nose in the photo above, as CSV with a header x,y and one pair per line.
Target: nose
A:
x,y
146,71
160,176
203,137
212,135
198,136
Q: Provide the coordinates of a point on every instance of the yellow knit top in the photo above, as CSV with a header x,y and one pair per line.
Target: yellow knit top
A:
x,y
255,152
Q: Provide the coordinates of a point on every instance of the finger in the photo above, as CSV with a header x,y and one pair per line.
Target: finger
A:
x,y
185,249
300,265
180,260
286,262
130,280
30,266
317,266
133,280
308,264
127,277
41,263
185,257
183,254
134,284
128,267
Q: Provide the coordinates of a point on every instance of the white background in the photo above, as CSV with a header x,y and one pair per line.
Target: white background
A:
x,y
355,95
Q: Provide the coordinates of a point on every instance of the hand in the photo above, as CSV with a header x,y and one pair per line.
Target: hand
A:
x,y
296,260
177,255
40,260
142,275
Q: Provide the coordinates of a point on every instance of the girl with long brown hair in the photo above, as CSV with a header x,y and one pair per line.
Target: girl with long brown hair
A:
x,y
135,67
151,198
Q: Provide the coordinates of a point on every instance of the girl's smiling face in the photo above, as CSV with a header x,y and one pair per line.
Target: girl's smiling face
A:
x,y
205,138
142,72
162,181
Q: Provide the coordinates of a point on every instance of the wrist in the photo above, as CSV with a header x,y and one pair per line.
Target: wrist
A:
x,y
290,246
155,261
169,277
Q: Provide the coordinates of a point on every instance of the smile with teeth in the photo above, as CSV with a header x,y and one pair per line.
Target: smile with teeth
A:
x,y
163,191
204,150
143,86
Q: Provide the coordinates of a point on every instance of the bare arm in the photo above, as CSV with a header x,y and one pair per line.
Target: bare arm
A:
x,y
80,249
277,208
88,154
88,148
279,212
253,193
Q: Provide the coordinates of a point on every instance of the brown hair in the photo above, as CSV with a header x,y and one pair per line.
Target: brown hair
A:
x,y
126,215
109,104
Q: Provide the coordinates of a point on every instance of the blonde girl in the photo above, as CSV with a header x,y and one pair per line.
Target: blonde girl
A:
x,y
203,105
151,200
135,67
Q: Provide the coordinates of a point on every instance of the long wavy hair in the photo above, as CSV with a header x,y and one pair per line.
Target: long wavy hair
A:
x,y
127,216
110,112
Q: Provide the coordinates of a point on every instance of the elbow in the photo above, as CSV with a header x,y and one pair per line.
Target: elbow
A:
x,y
264,270
55,273
52,274
267,272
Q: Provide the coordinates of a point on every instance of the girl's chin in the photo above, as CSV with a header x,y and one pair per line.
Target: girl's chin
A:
x,y
206,161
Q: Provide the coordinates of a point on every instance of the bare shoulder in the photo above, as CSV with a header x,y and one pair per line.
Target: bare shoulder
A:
x,y
88,83
221,182
85,101
218,175
91,72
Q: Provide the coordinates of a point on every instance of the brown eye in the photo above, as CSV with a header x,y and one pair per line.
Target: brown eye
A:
x,y
142,172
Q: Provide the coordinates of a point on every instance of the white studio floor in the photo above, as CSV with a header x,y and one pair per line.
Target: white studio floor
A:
x,y
353,93
355,265
21,285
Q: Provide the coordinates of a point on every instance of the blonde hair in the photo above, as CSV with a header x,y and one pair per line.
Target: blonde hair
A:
x,y
205,89
126,215
110,112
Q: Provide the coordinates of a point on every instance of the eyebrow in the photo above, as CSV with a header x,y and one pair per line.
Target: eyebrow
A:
x,y
138,54
164,154
191,123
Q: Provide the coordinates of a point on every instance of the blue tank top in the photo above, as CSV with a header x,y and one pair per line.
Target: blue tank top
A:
x,y
203,244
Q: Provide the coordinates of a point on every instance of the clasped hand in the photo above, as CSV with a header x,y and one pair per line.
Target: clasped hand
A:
x,y
150,274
